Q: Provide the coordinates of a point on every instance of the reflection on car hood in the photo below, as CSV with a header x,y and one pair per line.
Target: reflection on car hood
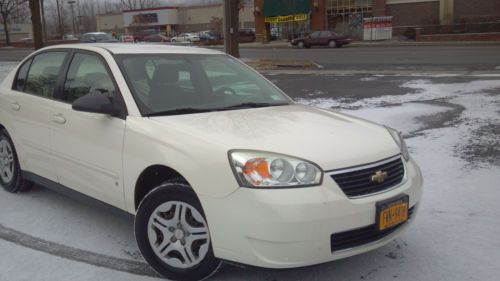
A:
x,y
332,140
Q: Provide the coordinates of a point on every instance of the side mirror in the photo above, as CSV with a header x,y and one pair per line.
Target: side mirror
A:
x,y
96,103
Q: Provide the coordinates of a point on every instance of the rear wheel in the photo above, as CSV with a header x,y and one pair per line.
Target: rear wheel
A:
x,y
332,44
10,171
172,233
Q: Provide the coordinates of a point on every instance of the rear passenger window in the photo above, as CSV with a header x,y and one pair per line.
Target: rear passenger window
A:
x,y
21,76
43,73
87,74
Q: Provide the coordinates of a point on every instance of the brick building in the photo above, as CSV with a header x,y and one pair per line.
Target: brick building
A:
x,y
282,19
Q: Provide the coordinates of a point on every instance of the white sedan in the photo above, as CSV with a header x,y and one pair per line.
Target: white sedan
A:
x,y
213,160
185,37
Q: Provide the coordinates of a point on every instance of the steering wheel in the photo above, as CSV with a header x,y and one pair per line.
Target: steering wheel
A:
x,y
224,91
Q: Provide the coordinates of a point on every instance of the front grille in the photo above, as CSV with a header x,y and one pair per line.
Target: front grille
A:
x,y
358,182
361,236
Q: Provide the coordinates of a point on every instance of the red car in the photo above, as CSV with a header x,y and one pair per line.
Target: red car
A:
x,y
322,38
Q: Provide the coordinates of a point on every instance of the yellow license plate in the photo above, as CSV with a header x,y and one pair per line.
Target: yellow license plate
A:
x,y
392,213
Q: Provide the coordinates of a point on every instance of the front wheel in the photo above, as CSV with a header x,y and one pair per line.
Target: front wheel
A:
x,y
300,45
332,44
172,233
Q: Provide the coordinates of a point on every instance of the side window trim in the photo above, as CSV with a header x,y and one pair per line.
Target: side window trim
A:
x,y
64,75
14,83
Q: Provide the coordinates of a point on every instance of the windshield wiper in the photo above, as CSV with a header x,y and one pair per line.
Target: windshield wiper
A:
x,y
178,111
252,105
189,110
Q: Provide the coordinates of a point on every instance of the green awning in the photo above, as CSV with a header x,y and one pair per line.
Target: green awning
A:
x,y
273,8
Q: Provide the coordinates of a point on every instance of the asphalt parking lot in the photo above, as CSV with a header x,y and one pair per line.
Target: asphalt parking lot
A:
x,y
451,120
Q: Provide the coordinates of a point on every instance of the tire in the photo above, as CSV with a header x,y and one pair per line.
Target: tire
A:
x,y
170,227
173,40
11,178
301,45
332,44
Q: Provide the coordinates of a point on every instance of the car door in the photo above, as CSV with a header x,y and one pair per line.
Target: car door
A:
x,y
324,38
87,147
313,39
30,101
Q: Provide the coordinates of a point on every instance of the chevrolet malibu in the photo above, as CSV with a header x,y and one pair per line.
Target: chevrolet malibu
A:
x,y
214,161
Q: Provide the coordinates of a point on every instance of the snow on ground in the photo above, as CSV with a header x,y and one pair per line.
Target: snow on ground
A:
x,y
453,131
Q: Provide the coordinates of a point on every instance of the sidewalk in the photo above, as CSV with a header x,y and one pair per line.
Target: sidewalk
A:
x,y
385,43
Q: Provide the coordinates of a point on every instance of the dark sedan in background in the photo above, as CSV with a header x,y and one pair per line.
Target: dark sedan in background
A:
x,y
322,38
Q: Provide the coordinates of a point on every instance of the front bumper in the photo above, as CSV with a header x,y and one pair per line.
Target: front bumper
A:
x,y
286,228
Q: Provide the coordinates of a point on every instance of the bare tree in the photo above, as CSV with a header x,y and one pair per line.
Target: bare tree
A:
x,y
7,7
139,4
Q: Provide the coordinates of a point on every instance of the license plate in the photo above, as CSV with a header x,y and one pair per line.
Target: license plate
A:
x,y
392,212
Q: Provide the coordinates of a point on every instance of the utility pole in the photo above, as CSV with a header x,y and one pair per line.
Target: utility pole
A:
x,y
72,5
231,27
42,7
37,23
60,20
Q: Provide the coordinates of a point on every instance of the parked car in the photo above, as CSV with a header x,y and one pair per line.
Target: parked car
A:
x,y
127,38
97,37
213,160
246,35
26,40
186,37
322,38
69,37
206,36
156,38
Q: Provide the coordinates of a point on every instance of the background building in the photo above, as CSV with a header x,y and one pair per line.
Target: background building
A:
x,y
170,20
110,23
283,19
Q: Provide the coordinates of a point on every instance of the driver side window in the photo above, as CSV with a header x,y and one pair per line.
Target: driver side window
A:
x,y
87,74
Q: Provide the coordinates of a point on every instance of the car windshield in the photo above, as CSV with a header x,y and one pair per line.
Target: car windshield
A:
x,y
192,83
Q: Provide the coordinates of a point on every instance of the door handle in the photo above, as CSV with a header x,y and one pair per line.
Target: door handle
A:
x,y
15,106
59,119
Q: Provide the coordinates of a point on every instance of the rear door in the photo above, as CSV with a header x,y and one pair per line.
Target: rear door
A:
x,y
87,147
325,37
30,101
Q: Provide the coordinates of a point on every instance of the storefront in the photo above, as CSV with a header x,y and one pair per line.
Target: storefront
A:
x,y
285,19
162,20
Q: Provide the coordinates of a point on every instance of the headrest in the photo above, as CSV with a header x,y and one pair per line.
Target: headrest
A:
x,y
166,73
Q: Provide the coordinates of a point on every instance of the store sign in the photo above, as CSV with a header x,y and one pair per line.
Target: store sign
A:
x,y
146,18
290,18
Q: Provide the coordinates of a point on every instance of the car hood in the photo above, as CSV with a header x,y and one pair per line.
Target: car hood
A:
x,y
330,139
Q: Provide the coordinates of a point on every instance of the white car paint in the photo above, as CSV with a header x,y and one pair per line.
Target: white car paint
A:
x,y
103,157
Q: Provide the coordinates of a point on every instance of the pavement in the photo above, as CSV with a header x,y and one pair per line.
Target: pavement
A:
x,y
450,117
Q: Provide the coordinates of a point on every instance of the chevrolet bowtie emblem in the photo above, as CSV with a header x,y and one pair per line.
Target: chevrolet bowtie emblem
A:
x,y
379,176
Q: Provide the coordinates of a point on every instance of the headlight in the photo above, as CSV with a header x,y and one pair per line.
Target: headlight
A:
x,y
398,138
266,169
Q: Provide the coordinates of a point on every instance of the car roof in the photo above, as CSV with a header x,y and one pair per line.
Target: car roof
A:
x,y
94,33
127,48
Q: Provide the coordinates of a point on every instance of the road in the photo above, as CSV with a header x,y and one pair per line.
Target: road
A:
x,y
467,57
